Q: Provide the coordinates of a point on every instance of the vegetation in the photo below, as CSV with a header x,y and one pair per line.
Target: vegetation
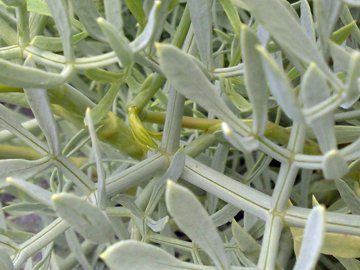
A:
x,y
172,134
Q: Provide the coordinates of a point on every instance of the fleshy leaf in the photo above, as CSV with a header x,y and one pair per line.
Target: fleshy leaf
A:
x,y
286,30
118,42
87,13
200,13
195,222
348,195
83,217
352,90
60,15
312,240
40,106
188,79
132,254
280,87
254,79
314,90
147,35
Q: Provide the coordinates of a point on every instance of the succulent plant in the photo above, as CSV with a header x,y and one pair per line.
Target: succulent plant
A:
x,y
179,134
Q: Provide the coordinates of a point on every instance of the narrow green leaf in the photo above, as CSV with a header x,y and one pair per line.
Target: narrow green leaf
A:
x,y
245,241
189,80
131,255
101,187
254,79
314,90
306,19
334,165
280,86
173,172
87,13
10,121
286,30
147,35
40,106
340,35
83,217
118,42
5,261
232,15
326,14
60,15
22,168
27,77
348,195
75,247
102,108
195,222
38,6
54,44
313,240
224,215
102,75
200,13
113,13
36,192
135,7
352,90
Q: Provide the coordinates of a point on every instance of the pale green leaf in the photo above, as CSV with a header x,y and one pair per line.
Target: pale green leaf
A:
x,y
195,222
232,15
135,7
5,261
312,240
306,19
254,79
75,247
113,13
83,217
173,172
286,30
54,44
131,255
27,77
248,245
118,42
348,195
352,91
326,14
34,191
314,90
101,187
60,15
188,79
201,19
38,6
352,3
102,108
147,35
22,168
87,13
40,106
280,87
